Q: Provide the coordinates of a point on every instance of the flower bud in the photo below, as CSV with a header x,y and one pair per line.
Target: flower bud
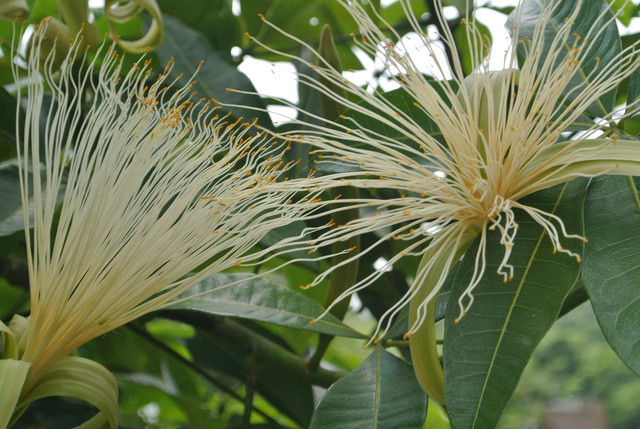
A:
x,y
13,9
52,42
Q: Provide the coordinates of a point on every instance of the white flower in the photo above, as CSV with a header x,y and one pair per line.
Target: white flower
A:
x,y
499,142
153,187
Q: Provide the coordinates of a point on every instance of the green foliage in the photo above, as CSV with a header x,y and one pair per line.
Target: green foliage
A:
x,y
237,357
380,393
487,350
612,262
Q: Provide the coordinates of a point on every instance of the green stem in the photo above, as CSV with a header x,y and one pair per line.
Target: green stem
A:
x,y
192,366
423,343
271,354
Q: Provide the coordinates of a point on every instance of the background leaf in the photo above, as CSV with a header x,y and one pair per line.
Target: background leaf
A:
x,y
381,393
262,300
612,262
188,48
486,352
592,14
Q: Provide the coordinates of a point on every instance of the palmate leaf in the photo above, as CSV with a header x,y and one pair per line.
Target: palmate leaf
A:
x,y
381,393
611,270
486,352
262,300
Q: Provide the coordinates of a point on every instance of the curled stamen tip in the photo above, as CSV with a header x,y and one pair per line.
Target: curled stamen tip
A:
x,y
248,36
406,335
229,89
459,318
305,287
585,239
313,322
377,340
261,16
579,259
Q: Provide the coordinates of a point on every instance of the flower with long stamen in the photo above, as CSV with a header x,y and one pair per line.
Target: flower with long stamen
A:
x,y
153,187
500,139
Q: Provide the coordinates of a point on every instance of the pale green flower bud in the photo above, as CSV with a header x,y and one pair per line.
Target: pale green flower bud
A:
x,y
52,40
76,16
119,13
13,9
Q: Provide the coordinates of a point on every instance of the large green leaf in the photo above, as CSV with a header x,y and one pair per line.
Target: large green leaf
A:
x,y
11,215
236,357
611,270
591,15
381,393
262,300
213,18
189,48
8,125
487,350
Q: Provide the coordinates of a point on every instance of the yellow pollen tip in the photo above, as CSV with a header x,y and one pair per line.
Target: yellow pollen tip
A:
x,y
406,335
305,287
313,322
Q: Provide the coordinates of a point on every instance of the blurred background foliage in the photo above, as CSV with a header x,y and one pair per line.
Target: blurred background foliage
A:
x,y
180,368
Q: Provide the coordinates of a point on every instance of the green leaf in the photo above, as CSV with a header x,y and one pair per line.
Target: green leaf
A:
x,y
611,267
381,393
11,219
303,19
287,391
12,376
593,13
487,350
8,125
262,300
213,18
11,213
189,48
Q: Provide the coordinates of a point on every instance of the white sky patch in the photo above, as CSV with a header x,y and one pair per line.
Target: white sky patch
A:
x,y
356,303
273,80
381,264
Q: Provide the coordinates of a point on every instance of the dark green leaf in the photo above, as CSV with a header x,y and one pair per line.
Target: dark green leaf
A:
x,y
262,300
612,262
237,359
8,125
11,219
189,48
381,393
592,13
486,352
214,19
